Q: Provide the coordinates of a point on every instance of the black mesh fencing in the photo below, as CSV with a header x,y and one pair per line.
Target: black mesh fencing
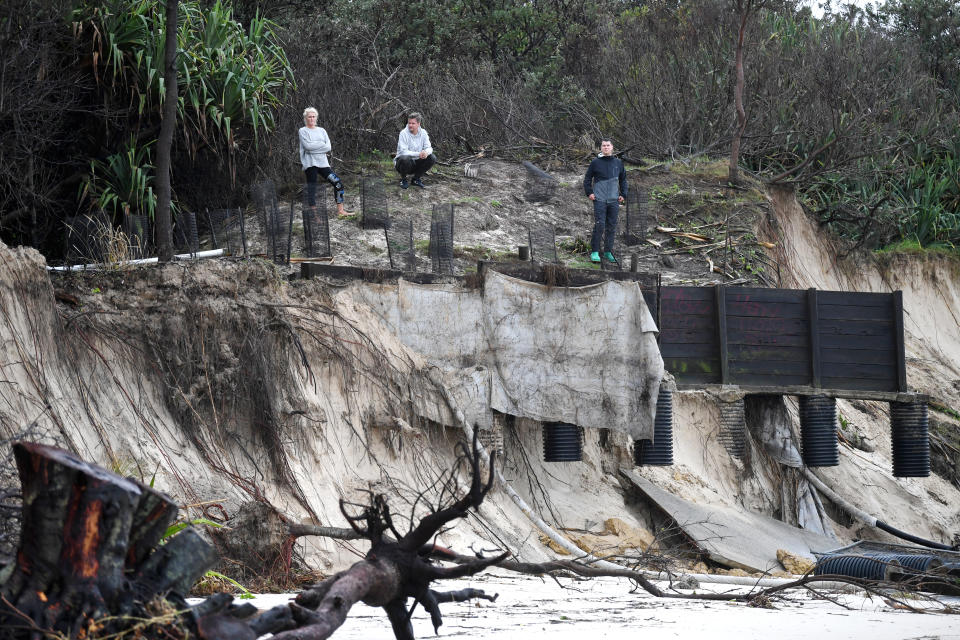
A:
x,y
316,223
85,240
441,238
399,234
277,224
373,202
137,230
228,231
636,216
540,185
186,238
543,243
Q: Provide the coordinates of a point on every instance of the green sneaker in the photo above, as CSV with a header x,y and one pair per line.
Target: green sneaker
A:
x,y
608,257
595,256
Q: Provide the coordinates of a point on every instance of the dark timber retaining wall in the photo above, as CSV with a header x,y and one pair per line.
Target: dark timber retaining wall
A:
x,y
805,342
783,338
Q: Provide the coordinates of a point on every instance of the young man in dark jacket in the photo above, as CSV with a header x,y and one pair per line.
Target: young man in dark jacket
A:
x,y
605,184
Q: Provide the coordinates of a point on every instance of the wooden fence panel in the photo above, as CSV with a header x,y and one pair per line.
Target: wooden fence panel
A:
x,y
783,337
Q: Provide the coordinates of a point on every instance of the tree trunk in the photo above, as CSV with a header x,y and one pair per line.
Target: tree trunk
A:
x,y
733,175
164,222
82,555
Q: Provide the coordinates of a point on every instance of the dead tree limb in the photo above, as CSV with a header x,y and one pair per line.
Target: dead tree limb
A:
x,y
394,569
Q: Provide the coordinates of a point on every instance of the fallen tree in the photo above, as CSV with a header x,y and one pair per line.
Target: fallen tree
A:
x,y
91,561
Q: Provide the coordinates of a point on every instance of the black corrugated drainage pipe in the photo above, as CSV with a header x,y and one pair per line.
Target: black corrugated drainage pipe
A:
x,y
818,431
733,428
854,567
876,566
909,430
562,442
658,453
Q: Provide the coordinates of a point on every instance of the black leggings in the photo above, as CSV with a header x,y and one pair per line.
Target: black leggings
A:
x,y
329,176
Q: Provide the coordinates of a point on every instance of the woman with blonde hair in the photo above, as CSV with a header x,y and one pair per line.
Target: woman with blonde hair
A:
x,y
314,147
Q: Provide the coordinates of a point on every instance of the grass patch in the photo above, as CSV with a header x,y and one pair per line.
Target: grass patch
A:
x,y
913,247
664,193
575,246
478,252
941,408
583,264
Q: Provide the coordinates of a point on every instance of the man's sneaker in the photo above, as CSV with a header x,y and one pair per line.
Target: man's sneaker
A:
x,y
595,256
608,257
418,182
403,183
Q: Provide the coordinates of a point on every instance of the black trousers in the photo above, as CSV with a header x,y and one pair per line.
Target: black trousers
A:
x,y
312,173
604,225
415,166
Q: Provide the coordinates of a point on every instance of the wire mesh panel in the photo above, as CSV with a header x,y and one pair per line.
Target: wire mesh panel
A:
x,y
137,230
227,231
373,202
316,223
186,239
636,216
540,185
277,224
441,238
543,243
86,238
399,235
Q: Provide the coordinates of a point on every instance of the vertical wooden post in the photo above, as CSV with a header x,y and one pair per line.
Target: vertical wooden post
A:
x,y
659,305
813,317
482,266
898,338
720,300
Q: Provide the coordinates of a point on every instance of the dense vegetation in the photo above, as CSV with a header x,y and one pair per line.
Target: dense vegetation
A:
x,y
858,109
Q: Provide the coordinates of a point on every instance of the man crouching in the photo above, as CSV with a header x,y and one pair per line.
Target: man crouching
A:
x,y
414,153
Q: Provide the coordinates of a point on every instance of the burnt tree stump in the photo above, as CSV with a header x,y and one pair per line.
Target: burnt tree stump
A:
x,y
90,547
92,560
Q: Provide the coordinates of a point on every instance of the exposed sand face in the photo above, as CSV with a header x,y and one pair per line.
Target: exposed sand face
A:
x,y
931,301
930,285
327,433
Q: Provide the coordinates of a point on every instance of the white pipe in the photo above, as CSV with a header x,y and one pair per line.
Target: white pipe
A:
x,y
211,253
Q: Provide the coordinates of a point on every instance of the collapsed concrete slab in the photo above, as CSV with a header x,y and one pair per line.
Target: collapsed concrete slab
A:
x,y
733,537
